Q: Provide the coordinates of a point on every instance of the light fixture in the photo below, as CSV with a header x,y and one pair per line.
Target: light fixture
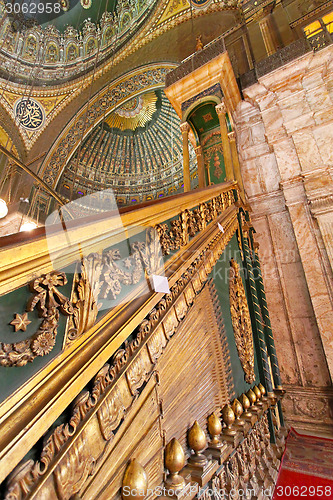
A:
x,y
3,208
28,226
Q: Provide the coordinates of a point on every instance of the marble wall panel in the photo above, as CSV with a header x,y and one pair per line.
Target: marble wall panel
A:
x,y
291,112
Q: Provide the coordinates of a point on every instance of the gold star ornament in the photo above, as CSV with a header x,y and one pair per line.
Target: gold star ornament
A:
x,y
20,322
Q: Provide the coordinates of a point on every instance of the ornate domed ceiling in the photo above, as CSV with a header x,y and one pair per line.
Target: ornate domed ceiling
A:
x,y
131,151
74,37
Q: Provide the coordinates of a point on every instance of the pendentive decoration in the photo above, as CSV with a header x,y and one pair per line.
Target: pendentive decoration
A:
x,y
241,322
49,302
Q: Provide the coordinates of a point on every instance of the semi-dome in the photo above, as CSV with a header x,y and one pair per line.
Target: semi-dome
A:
x,y
136,150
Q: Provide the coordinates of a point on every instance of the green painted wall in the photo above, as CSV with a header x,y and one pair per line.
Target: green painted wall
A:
x,y
15,302
220,276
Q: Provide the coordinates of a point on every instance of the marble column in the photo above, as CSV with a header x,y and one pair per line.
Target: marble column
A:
x,y
221,110
185,128
235,161
201,166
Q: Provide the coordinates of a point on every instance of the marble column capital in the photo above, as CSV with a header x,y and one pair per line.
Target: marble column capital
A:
x,y
198,150
232,136
185,128
221,108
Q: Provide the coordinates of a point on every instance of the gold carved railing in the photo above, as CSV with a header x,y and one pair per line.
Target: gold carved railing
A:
x,y
31,410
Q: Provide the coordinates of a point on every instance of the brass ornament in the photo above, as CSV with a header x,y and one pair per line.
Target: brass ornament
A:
x,y
228,418
197,442
252,397
245,402
241,322
238,411
214,429
174,459
135,478
262,389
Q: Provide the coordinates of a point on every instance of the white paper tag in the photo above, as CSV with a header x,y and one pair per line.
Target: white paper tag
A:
x,y
220,227
160,284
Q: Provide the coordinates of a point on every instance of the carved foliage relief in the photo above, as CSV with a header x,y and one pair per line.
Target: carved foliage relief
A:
x,y
103,277
113,391
241,322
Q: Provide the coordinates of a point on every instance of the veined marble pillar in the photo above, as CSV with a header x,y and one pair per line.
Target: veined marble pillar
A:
x,y
221,110
235,161
201,166
185,128
314,273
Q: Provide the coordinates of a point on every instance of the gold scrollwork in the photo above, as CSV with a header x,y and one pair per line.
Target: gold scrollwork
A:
x,y
241,322
49,301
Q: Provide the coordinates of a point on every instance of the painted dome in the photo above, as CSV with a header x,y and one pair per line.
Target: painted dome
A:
x,y
64,43
136,150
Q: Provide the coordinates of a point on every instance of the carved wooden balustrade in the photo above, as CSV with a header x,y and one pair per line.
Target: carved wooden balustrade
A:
x,y
109,344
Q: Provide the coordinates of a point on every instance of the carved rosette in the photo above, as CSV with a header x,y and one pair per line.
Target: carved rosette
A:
x,y
241,322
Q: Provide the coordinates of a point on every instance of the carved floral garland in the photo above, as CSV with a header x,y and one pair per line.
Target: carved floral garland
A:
x,y
49,301
241,322
101,277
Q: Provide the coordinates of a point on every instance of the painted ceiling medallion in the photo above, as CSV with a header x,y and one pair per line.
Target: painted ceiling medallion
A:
x,y
135,113
131,107
29,113
86,4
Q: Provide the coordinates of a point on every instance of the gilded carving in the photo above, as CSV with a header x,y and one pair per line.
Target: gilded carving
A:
x,y
181,307
20,322
136,374
73,470
49,302
156,344
87,286
241,322
111,413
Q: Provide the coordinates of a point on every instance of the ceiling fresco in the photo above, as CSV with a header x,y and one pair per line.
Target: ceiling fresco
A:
x,y
136,150
57,47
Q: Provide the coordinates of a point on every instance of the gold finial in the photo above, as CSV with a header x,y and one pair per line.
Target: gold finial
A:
x,y
245,402
257,392
228,418
135,479
252,397
262,389
197,442
238,410
214,429
174,459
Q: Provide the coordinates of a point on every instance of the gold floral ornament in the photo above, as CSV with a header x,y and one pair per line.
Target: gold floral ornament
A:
x,y
241,322
49,302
